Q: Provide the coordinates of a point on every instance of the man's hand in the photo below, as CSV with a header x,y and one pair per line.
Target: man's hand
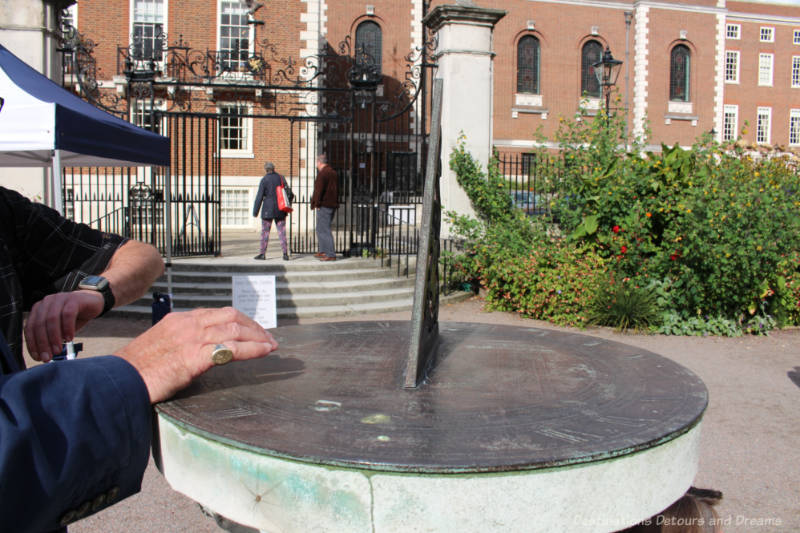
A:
x,y
178,349
55,319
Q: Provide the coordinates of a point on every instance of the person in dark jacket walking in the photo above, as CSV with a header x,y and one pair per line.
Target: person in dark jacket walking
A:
x,y
326,200
267,202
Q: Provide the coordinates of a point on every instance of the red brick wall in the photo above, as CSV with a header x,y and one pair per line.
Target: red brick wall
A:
x,y
194,23
562,31
561,28
394,18
665,27
748,95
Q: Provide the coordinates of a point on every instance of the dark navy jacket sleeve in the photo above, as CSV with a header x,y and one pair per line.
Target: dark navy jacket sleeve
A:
x,y
74,439
259,196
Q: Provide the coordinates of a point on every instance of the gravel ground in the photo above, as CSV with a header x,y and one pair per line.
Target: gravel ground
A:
x,y
749,442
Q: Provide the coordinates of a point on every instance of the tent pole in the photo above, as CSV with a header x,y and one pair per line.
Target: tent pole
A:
x,y
168,228
56,187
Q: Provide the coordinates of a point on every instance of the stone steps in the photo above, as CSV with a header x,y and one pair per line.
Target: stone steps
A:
x,y
305,287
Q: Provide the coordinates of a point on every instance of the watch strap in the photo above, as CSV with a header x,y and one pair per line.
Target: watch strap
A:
x,y
108,299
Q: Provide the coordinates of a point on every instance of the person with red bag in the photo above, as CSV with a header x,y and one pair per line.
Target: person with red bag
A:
x,y
267,203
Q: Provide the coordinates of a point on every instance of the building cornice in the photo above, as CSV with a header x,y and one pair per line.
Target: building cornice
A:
x,y
762,18
463,14
707,10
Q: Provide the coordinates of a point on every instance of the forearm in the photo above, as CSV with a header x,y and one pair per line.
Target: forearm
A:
x,y
132,271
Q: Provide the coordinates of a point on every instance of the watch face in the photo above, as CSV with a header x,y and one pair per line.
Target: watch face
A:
x,y
93,283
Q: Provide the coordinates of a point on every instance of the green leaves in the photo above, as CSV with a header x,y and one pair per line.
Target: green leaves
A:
x,y
588,226
714,233
488,193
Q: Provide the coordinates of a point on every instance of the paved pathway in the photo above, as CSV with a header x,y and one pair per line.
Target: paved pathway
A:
x,y
749,447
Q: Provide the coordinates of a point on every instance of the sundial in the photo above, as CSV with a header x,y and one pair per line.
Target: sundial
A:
x,y
386,426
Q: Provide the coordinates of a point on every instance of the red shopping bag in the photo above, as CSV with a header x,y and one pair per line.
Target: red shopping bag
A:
x,y
284,204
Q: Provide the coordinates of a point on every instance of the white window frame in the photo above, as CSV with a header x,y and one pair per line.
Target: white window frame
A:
x,y
766,64
731,132
795,35
766,34
795,72
246,151
138,108
251,33
794,127
732,58
164,23
733,31
228,211
764,125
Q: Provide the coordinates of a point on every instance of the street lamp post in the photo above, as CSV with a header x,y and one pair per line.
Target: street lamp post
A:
x,y
607,72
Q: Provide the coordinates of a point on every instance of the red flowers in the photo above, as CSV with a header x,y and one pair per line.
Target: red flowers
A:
x,y
615,229
624,248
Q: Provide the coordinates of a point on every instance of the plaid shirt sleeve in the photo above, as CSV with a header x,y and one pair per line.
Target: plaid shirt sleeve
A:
x,y
42,253
50,253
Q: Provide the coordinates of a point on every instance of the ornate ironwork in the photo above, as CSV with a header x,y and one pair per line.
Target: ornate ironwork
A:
x,y
152,69
79,69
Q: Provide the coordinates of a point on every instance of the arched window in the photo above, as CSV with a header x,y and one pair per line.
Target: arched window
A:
x,y
679,69
528,65
369,44
591,53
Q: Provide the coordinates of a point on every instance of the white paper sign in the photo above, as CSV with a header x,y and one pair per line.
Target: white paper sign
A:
x,y
255,297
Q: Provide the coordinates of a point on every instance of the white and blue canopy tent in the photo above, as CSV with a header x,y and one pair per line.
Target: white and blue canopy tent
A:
x,y
44,125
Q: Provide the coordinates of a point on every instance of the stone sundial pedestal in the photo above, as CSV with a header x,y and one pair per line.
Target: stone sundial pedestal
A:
x,y
515,429
391,427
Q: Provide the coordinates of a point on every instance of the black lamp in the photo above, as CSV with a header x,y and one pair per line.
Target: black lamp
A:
x,y
607,72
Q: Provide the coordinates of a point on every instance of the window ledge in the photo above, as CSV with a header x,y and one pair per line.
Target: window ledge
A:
x,y
236,155
528,99
678,107
680,116
534,110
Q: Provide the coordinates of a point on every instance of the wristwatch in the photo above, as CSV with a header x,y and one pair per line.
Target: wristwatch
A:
x,y
101,285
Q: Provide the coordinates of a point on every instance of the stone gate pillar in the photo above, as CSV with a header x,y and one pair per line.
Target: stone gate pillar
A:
x,y
464,56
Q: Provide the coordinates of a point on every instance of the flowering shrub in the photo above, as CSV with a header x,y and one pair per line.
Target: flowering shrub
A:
x,y
712,231
522,268
713,224
554,282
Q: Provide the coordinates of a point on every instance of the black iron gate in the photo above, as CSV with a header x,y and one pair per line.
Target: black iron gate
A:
x,y
194,189
372,127
133,201
377,151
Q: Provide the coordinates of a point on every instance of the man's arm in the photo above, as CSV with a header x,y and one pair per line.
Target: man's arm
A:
x,y
53,320
318,188
75,435
74,439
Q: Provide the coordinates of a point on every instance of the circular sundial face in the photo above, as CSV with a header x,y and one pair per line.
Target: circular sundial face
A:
x,y
501,398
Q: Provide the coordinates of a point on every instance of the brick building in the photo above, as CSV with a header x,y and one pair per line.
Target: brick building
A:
x,y
690,67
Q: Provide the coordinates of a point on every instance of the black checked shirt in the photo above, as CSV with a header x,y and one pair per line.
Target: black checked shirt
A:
x,y
41,253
